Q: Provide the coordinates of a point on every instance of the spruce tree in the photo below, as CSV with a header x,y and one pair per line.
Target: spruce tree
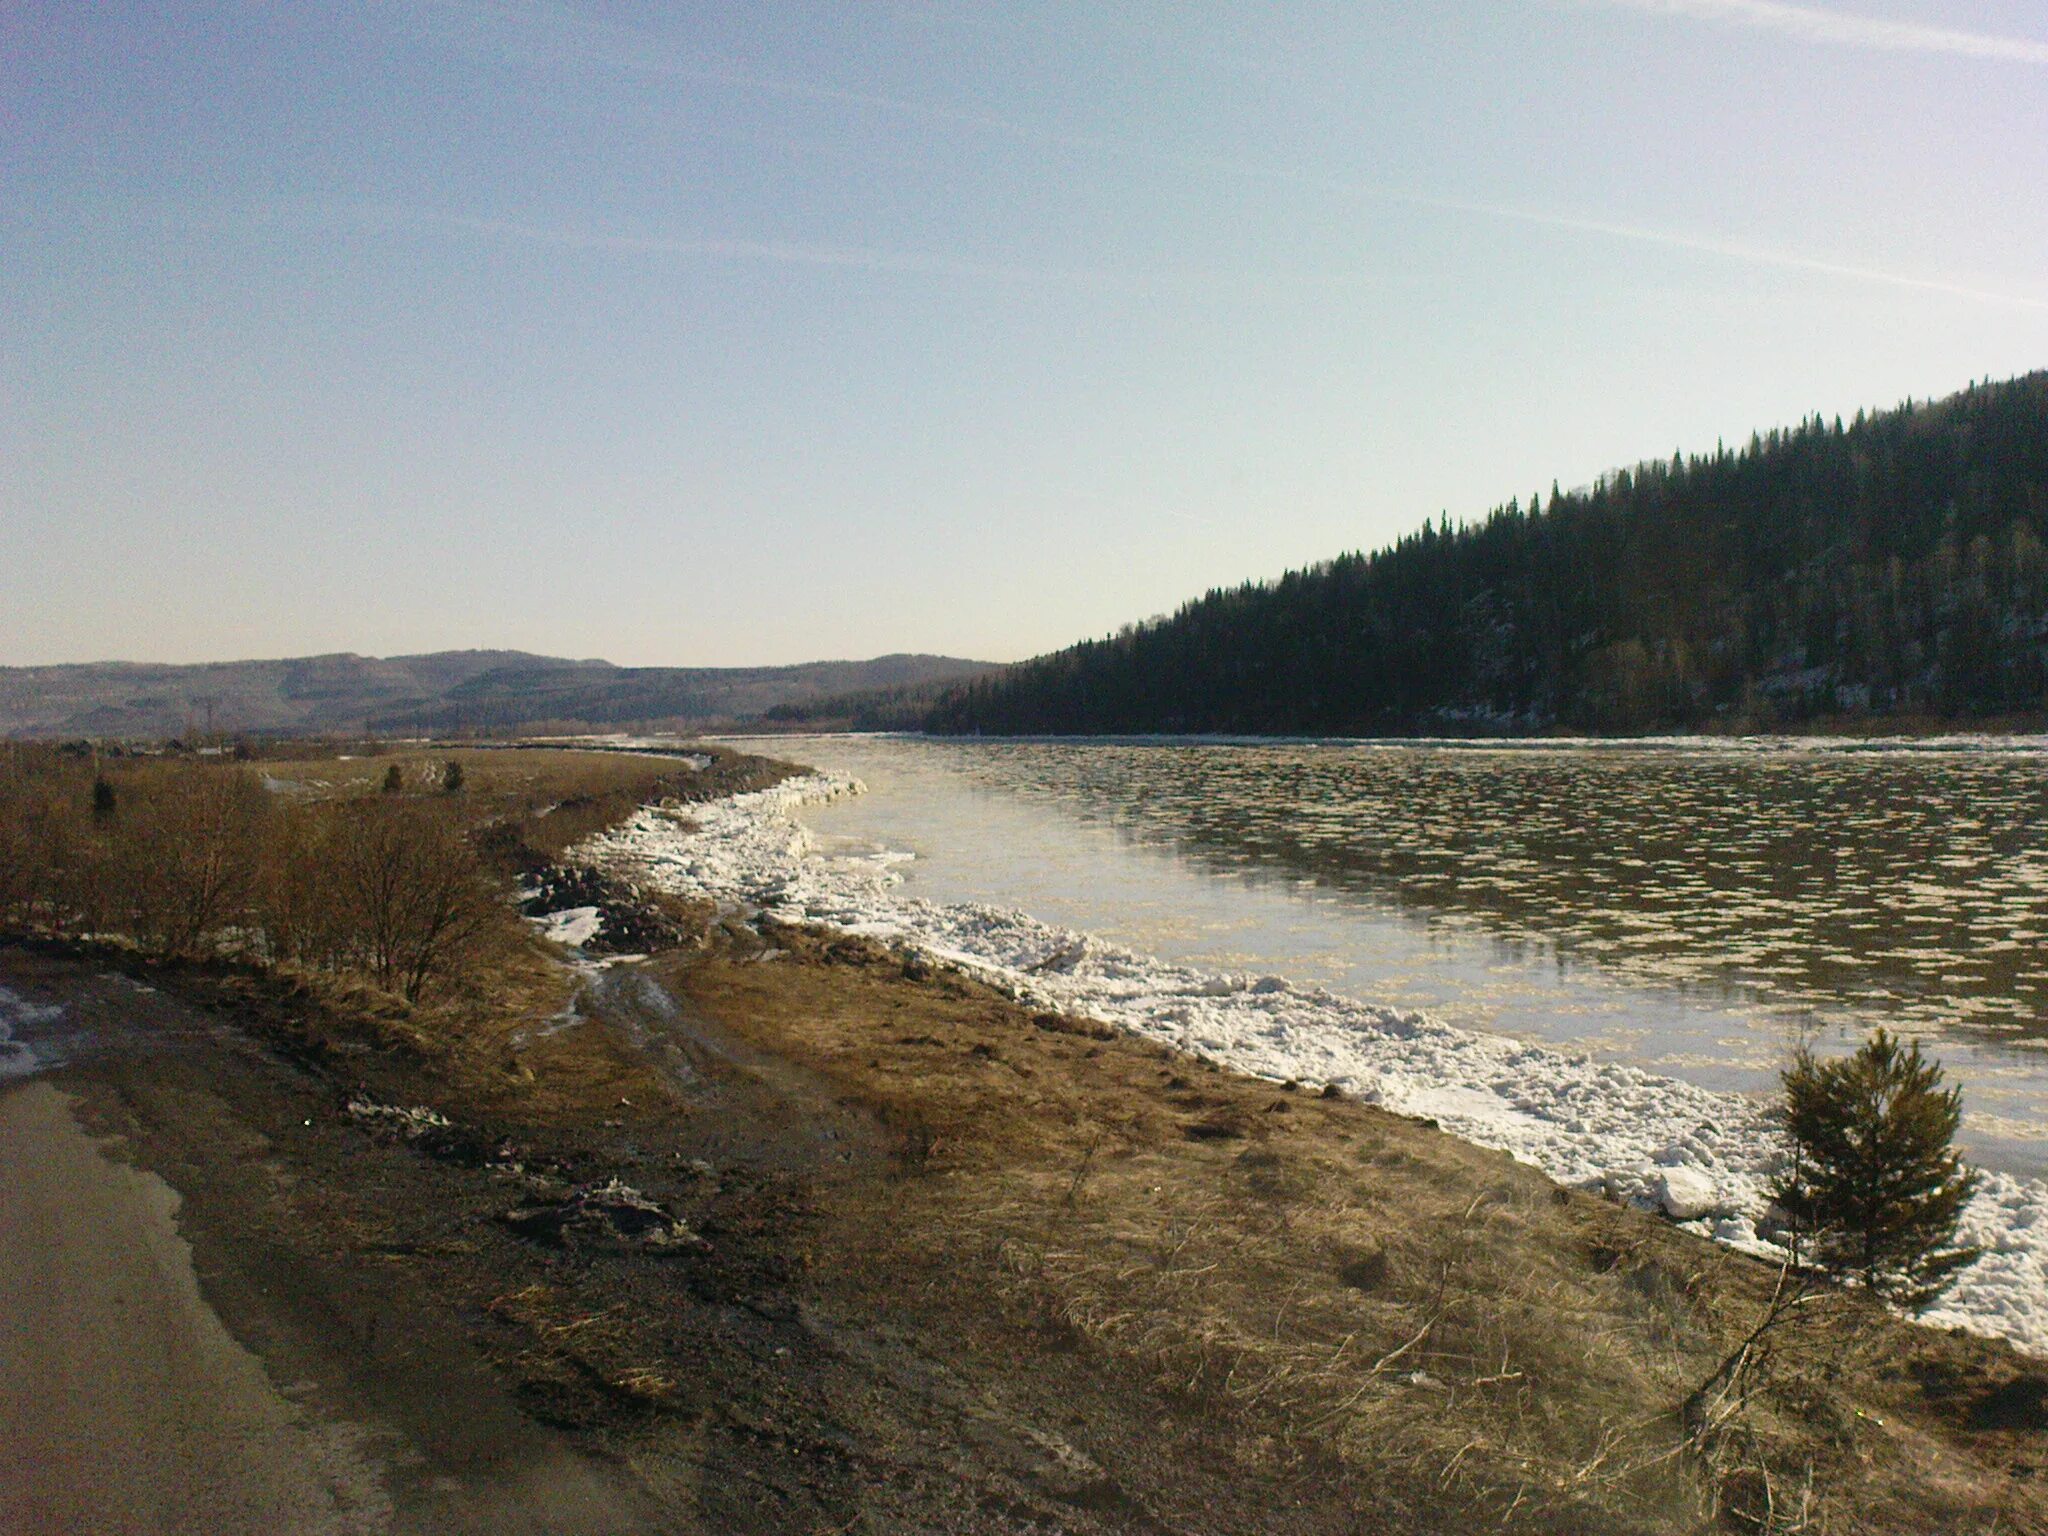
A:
x,y
1877,1183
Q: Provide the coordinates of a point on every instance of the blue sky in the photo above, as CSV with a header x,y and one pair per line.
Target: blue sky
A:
x,y
721,334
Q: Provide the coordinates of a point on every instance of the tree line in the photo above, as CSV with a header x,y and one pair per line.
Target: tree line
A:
x,y
1892,566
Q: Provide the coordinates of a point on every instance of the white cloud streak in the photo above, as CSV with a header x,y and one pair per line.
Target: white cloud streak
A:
x,y
1753,255
867,259
1843,29
384,217
540,29
778,252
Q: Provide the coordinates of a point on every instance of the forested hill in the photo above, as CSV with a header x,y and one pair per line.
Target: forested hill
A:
x,y
1895,566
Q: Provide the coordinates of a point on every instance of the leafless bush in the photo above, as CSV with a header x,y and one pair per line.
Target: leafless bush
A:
x,y
36,844
196,858
186,857
416,894
298,903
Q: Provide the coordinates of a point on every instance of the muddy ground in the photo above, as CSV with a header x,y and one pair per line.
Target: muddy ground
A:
x,y
920,1260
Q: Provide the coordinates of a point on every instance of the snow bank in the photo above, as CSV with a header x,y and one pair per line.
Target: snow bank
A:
x,y
1704,1158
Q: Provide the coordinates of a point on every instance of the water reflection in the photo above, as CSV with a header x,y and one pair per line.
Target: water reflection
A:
x,y
1911,885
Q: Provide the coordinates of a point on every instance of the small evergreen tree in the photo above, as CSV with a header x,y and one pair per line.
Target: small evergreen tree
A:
x,y
394,780
103,802
1877,1183
451,776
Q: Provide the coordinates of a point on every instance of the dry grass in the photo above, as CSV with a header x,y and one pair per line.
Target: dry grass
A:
x,y
1341,1285
494,1032
542,800
574,1365
1331,1287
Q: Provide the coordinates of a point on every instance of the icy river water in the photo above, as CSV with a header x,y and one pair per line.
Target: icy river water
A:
x,y
1691,909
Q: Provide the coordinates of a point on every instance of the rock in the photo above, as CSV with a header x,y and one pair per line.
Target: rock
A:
x,y
1686,1194
611,1215
625,923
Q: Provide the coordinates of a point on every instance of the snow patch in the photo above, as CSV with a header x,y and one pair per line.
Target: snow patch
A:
x,y
23,1058
574,926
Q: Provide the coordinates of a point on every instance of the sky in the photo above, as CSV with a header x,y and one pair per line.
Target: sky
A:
x,y
720,335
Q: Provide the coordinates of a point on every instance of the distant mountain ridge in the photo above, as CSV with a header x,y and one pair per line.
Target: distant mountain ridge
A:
x,y
1891,569
441,692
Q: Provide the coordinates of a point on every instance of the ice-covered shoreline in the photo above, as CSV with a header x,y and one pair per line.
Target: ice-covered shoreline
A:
x,y
25,1058
1704,1157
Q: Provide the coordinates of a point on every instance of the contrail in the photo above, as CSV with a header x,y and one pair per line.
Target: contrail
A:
x,y
1819,26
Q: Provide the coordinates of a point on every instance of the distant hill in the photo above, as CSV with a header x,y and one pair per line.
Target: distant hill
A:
x,y
604,695
445,692
903,707
1896,566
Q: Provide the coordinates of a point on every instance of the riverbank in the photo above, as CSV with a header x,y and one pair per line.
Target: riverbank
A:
x,y
1704,1158
967,1266
906,1254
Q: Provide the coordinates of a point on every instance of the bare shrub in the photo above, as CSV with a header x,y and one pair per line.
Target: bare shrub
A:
x,y
416,894
298,906
185,858
38,843
341,871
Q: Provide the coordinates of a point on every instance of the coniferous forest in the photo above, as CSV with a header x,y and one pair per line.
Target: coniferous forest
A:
x,y
1890,568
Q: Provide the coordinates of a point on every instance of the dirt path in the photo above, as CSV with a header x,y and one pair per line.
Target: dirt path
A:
x,y
129,1407
200,1332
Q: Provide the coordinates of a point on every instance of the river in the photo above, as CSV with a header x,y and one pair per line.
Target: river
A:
x,y
1693,909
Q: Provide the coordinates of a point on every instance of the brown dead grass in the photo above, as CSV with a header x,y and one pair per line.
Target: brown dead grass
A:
x,y
541,800
486,1026
575,1366
1336,1282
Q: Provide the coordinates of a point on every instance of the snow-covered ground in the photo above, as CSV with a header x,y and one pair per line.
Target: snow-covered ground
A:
x,y
1705,1158
575,928
623,741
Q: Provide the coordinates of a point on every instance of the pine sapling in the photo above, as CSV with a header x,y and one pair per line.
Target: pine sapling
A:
x,y
1877,1184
